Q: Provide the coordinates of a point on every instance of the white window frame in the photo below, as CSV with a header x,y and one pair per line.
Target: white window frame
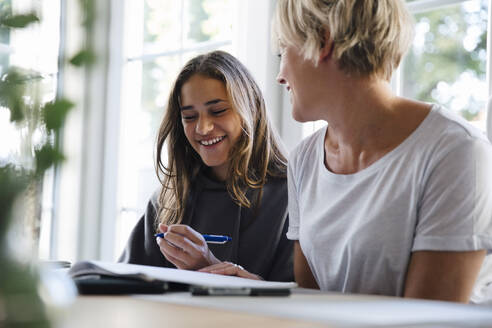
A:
x,y
81,221
86,207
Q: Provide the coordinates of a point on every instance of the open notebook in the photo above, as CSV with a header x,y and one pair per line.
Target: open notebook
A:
x,y
95,277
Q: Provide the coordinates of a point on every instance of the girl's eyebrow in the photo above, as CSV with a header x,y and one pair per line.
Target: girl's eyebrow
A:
x,y
208,103
212,102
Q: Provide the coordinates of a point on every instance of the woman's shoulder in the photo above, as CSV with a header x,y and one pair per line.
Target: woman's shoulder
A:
x,y
454,124
445,136
307,149
450,131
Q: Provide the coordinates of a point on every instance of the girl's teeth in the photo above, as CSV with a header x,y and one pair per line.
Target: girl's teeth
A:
x,y
211,142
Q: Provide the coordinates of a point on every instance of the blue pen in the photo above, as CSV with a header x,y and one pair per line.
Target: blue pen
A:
x,y
211,239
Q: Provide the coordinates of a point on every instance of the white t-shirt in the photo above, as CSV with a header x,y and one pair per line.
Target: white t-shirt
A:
x,y
432,192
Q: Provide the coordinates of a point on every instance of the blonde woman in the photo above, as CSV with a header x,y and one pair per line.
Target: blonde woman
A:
x,y
225,175
394,196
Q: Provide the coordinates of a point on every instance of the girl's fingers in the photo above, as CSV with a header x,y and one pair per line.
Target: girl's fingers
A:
x,y
177,262
163,227
170,250
188,232
181,242
246,274
230,269
218,266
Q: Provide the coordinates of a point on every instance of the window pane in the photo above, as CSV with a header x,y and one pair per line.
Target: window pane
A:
x,y
207,20
162,25
145,96
34,49
447,63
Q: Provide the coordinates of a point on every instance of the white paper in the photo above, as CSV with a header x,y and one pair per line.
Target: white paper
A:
x,y
192,277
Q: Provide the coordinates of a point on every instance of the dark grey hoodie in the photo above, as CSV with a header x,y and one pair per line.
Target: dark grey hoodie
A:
x,y
259,243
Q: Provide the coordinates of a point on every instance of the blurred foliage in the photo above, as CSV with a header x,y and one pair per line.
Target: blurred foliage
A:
x,y
38,124
86,56
46,156
18,21
13,91
83,57
5,11
88,9
19,95
450,46
55,113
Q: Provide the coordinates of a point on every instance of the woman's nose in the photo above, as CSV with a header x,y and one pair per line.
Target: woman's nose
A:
x,y
280,79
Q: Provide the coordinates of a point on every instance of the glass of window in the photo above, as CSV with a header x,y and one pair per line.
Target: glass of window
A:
x,y
447,62
34,50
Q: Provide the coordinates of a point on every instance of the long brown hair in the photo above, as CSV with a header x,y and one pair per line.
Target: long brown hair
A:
x,y
256,156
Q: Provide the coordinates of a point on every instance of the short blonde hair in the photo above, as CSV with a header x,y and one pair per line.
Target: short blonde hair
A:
x,y
369,36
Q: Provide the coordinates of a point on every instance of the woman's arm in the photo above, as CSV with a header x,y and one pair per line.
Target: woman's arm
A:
x,y
302,272
446,276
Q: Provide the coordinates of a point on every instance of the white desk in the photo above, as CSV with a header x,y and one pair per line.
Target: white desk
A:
x,y
298,310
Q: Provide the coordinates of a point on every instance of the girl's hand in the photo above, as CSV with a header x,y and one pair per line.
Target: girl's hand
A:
x,y
230,269
185,247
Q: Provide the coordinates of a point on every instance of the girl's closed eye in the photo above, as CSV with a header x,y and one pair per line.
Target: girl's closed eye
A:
x,y
219,111
188,117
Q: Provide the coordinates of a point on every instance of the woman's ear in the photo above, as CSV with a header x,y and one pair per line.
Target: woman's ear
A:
x,y
326,48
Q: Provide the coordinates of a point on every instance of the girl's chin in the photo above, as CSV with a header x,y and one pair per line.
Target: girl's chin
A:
x,y
213,164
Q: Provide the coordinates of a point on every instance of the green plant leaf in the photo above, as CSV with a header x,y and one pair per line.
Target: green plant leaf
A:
x,y
13,91
83,57
54,113
19,21
11,94
88,7
47,156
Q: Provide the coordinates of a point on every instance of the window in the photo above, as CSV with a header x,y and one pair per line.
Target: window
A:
x,y
448,60
160,36
34,48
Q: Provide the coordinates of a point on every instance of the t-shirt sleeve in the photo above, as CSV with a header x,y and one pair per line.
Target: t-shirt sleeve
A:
x,y
455,212
293,231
